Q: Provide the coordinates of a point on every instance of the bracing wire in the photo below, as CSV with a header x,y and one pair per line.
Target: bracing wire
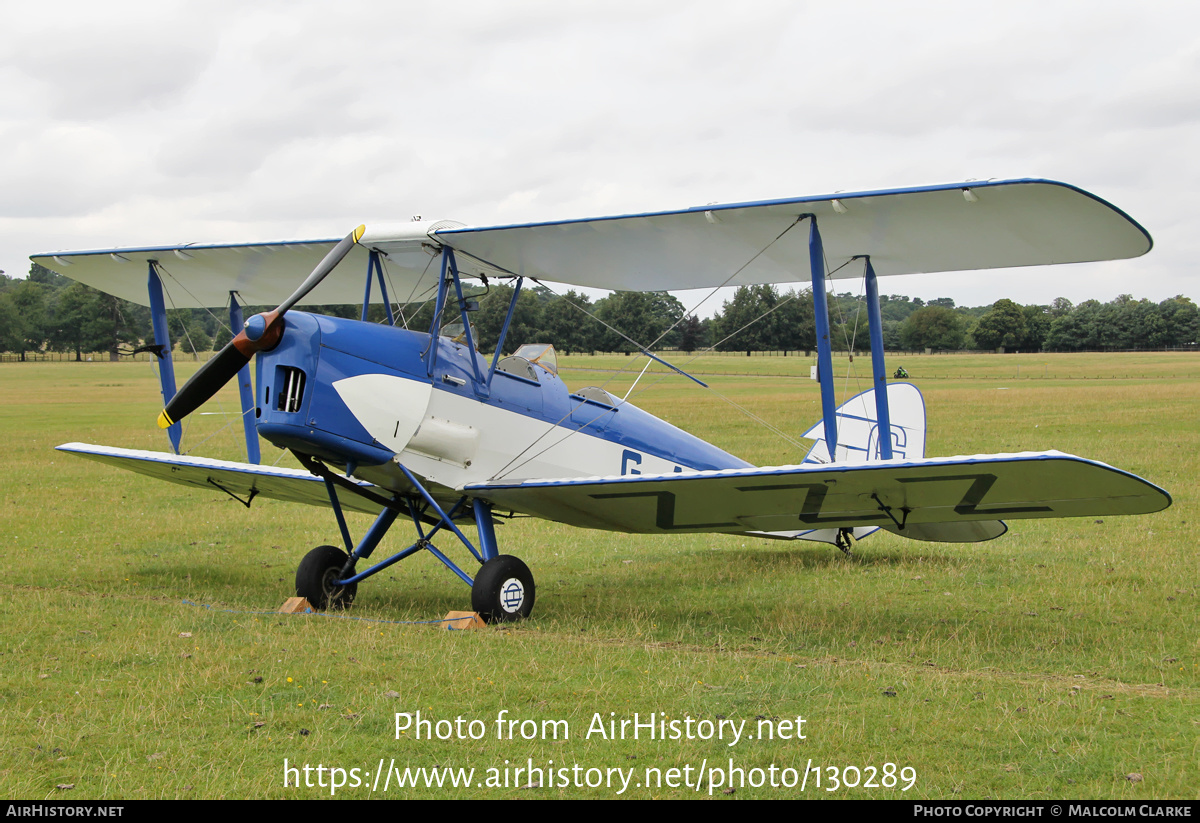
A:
x,y
733,334
850,370
387,276
221,430
776,430
506,468
416,284
399,304
170,299
727,280
164,270
230,419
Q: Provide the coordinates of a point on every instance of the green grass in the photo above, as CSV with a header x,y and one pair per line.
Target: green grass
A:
x,y
1051,663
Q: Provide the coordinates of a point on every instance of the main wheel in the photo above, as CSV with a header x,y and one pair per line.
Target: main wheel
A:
x,y
316,575
503,590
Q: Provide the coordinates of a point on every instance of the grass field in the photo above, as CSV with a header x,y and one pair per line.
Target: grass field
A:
x,y
140,657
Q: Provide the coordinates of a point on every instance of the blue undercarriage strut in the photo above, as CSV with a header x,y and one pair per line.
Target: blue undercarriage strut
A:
x,y
423,510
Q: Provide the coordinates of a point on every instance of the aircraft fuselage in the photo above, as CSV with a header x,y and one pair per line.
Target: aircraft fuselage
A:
x,y
365,397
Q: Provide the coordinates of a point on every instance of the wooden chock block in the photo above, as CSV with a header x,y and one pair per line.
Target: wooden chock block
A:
x,y
296,605
463,620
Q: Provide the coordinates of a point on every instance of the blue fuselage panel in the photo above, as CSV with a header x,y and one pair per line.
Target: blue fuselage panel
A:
x,y
299,408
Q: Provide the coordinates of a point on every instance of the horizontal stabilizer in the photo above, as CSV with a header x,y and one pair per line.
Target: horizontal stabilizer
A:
x,y
898,494
968,531
292,485
830,536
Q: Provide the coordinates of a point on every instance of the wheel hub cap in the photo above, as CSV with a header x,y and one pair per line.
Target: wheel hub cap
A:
x,y
512,595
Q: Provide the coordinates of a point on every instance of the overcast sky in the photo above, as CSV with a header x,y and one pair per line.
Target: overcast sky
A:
x,y
143,123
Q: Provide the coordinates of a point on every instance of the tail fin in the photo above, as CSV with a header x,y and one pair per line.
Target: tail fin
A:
x,y
858,441
858,427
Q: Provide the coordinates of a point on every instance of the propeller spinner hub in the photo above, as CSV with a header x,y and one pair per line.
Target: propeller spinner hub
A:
x,y
256,326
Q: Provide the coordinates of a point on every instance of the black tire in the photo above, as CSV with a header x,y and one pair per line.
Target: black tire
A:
x,y
314,579
503,590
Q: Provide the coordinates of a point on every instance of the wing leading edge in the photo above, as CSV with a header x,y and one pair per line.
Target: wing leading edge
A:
x,y
241,479
895,495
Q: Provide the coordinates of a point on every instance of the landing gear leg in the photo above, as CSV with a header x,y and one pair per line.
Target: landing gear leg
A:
x,y
844,536
502,591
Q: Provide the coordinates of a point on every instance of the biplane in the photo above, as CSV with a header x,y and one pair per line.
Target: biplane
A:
x,y
422,426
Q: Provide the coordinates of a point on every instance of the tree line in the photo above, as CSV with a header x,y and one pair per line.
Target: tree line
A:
x,y
49,312
1120,324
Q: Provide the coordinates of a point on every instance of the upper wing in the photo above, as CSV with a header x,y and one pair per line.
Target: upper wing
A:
x,y
895,494
905,231
241,479
200,275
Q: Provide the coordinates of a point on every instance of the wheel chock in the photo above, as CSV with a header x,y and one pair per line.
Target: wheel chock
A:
x,y
296,605
456,621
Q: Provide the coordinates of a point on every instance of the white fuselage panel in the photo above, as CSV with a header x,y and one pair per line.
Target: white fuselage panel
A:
x,y
461,440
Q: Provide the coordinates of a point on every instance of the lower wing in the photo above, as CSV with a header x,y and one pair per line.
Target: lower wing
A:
x,y
952,499
235,479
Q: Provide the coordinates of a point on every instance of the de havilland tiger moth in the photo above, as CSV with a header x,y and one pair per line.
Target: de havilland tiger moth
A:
x,y
423,426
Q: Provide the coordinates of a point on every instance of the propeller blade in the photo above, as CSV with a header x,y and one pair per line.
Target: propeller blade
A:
x,y
323,268
206,382
266,330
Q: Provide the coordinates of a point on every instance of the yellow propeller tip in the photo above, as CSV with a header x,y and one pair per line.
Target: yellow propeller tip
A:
x,y
164,422
359,232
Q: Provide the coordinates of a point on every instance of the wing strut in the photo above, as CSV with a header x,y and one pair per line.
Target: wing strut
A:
x,y
162,337
245,391
482,387
374,266
825,355
512,306
816,257
875,324
450,277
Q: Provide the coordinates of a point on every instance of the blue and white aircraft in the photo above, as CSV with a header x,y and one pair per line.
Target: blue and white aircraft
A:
x,y
420,424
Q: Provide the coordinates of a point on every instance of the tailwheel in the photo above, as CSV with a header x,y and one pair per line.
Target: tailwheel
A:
x,y
316,575
503,590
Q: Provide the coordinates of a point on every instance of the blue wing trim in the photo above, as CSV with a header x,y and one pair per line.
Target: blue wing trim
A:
x,y
817,198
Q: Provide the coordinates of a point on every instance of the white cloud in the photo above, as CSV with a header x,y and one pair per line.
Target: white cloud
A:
x,y
130,123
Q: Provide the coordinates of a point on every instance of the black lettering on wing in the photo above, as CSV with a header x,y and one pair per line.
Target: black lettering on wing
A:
x,y
814,500
664,517
980,486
